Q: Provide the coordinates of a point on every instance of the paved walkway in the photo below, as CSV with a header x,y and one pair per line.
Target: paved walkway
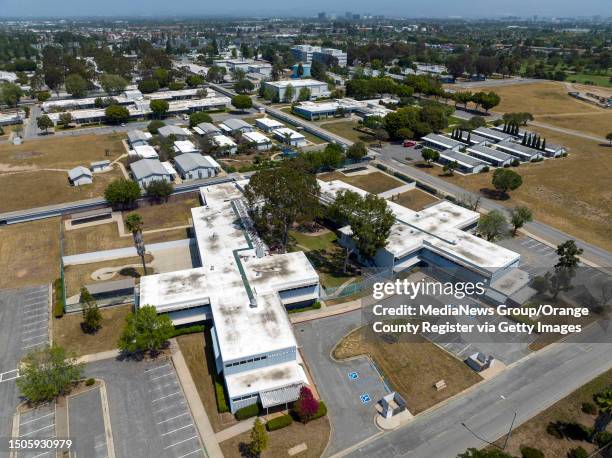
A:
x,y
398,190
325,312
239,428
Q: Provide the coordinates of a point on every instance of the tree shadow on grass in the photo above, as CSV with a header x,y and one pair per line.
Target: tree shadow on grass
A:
x,y
494,194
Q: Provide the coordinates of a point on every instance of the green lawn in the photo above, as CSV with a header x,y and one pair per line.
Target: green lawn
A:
x,y
582,78
325,254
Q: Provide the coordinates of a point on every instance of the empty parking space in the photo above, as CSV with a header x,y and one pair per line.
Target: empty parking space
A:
x,y
37,423
86,425
148,412
171,413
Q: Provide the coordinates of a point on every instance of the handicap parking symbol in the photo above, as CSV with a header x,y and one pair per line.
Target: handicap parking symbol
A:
x,y
353,375
365,398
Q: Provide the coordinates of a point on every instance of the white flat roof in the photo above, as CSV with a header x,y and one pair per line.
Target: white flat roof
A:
x,y
265,379
146,151
185,146
256,137
438,227
296,83
269,122
283,131
223,140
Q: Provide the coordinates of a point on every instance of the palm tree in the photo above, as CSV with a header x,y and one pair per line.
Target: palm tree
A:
x,y
134,224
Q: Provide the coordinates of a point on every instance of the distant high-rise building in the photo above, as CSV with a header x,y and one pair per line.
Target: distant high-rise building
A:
x,y
329,56
348,15
322,15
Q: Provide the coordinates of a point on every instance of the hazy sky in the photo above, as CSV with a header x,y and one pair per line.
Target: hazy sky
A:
x,y
407,8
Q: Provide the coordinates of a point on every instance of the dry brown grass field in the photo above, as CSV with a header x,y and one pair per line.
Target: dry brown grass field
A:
x,y
374,182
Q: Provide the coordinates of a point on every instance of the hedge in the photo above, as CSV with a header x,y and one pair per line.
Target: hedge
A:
x,y
188,330
58,293
403,177
247,412
530,452
426,188
222,406
279,422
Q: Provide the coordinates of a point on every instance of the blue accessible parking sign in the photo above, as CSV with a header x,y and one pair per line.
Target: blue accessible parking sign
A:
x,y
353,375
365,398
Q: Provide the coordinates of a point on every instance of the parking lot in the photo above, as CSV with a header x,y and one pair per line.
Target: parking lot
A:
x,y
350,389
171,413
86,425
37,423
24,324
148,412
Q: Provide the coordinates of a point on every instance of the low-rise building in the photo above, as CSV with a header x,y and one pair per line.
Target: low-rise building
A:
x,y
442,142
268,124
206,128
492,134
244,290
144,152
290,137
262,142
194,166
179,132
225,144
317,89
80,176
235,126
145,171
492,156
521,152
184,146
138,137
100,166
464,163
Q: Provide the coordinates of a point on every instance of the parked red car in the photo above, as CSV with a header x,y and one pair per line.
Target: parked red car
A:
x,y
409,143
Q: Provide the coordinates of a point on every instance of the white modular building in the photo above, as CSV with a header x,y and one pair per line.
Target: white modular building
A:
x,y
194,166
268,124
184,146
317,88
145,171
290,137
262,142
225,143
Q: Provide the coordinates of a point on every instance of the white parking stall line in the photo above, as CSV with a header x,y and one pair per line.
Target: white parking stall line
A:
x,y
162,376
36,419
181,442
464,348
29,312
45,335
190,453
164,409
42,328
5,378
30,323
35,345
177,429
52,425
161,387
173,418
41,454
157,367
167,396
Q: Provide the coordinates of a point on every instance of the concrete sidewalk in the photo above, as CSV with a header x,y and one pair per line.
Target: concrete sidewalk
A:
x,y
325,312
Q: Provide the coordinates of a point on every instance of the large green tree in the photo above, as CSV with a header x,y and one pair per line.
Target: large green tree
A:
x,y
122,193
116,114
92,318
242,102
11,94
282,196
505,180
199,117
112,84
259,439
48,373
369,218
357,151
134,224
44,122
145,331
76,85
519,216
159,107
492,225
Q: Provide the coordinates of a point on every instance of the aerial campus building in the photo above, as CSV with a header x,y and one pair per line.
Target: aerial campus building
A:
x,y
438,237
328,56
245,291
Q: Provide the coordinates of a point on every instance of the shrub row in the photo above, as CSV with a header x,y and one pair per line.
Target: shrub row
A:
x,y
530,452
222,406
427,188
247,412
279,422
403,177
188,330
321,411
58,293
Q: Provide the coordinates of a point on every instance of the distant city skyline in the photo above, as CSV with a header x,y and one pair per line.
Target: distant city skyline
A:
x,y
238,8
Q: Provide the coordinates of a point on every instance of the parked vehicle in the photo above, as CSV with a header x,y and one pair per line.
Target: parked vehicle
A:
x,y
409,143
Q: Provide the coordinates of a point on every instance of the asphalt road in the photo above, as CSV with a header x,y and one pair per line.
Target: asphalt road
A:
x,y
527,388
